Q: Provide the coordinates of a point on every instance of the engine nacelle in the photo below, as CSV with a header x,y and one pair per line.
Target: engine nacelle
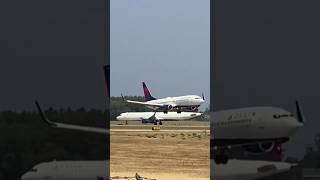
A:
x,y
260,147
146,121
194,108
168,107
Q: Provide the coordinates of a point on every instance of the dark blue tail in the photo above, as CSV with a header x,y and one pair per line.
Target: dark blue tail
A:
x,y
147,94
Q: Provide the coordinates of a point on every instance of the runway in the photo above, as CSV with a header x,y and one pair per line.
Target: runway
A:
x,y
162,130
168,128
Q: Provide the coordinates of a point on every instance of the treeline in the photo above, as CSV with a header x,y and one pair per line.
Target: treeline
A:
x,y
118,106
26,140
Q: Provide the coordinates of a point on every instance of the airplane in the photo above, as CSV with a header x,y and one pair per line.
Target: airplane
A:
x,y
155,117
255,129
191,102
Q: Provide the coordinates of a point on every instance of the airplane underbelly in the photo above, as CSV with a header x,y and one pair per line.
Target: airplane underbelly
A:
x,y
245,132
152,107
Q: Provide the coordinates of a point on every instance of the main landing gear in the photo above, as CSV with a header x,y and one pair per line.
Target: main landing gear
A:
x,y
221,156
156,123
221,159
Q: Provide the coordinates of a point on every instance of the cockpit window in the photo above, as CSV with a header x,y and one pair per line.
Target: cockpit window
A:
x,y
277,116
33,170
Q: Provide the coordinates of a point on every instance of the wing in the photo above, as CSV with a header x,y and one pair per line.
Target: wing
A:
x,y
145,103
70,126
81,128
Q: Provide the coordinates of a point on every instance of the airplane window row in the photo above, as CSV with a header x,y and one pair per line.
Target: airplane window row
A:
x,y
241,115
277,116
223,123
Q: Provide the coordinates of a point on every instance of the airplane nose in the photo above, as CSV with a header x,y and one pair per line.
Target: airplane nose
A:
x,y
293,124
26,176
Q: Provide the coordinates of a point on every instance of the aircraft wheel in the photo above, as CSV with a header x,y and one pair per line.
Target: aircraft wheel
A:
x,y
160,123
155,123
217,160
224,159
221,159
166,112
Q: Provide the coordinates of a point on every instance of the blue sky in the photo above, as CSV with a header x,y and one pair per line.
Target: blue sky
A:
x,y
165,43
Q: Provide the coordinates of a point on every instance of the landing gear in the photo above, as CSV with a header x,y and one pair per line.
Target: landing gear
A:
x,y
155,123
160,123
179,110
221,159
221,156
166,111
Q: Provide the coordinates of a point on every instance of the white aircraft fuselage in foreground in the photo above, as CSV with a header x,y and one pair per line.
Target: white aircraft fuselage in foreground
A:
x,y
256,129
69,170
248,169
191,102
170,116
98,170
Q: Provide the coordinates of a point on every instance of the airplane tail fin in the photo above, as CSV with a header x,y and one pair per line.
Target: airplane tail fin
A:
x,y
147,94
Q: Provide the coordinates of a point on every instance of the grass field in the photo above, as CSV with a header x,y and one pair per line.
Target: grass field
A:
x,y
161,155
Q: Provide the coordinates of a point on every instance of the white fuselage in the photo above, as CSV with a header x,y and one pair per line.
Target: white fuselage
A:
x,y
180,101
69,170
247,169
253,123
98,170
173,116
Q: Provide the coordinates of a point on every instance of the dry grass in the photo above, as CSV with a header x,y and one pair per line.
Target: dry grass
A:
x,y
161,155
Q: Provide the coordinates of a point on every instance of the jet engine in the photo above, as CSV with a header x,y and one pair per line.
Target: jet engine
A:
x,y
146,121
260,147
167,108
194,108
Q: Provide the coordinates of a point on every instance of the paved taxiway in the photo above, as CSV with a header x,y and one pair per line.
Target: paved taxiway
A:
x,y
163,128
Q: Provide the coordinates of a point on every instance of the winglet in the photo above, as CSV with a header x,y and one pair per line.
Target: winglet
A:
x,y
43,115
203,96
300,115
